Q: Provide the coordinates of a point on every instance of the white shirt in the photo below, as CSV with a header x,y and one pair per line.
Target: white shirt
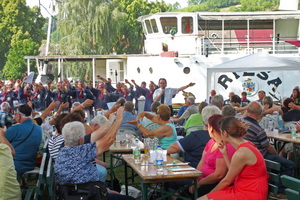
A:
x,y
169,92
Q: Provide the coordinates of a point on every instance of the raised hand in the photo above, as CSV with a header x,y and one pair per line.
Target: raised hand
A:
x,y
191,84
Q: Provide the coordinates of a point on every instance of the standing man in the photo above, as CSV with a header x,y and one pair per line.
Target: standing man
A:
x,y
164,95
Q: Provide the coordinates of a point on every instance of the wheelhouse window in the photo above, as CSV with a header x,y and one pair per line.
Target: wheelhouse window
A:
x,y
148,26
169,25
187,25
154,26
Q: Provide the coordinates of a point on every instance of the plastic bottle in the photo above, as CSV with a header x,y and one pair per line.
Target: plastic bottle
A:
x,y
159,161
155,142
280,122
271,125
293,131
136,152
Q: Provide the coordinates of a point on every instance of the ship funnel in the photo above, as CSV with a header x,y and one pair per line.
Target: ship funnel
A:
x,y
288,5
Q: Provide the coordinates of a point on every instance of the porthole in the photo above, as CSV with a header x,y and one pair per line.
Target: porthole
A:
x,y
150,70
186,70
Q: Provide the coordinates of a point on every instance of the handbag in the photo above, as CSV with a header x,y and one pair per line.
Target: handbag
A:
x,y
83,191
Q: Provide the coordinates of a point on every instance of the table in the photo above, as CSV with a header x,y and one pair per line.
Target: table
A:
x,y
286,137
147,172
116,148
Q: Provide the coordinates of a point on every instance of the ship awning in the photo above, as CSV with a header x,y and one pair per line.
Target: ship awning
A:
x,y
259,36
293,42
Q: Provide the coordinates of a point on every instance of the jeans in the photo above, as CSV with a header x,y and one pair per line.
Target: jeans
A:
x,y
102,172
287,167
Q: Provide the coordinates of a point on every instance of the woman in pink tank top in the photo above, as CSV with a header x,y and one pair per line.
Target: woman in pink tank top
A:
x,y
247,170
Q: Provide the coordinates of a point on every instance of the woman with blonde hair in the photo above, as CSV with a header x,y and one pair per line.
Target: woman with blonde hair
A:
x,y
166,133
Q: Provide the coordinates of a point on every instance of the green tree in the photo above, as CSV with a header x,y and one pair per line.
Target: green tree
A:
x,y
132,38
20,30
22,45
89,26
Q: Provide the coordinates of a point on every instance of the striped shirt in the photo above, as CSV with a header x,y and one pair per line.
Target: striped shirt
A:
x,y
54,145
256,135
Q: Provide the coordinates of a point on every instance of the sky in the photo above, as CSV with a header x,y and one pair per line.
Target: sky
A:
x,y
46,4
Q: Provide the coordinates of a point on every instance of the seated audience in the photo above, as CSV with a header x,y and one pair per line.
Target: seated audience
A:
x,y
228,111
296,96
193,145
73,164
195,119
191,109
261,96
258,136
166,133
6,119
246,169
26,138
129,116
150,125
244,99
9,185
288,113
227,101
212,163
218,101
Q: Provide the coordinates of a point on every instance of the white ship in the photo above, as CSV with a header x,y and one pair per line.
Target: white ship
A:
x,y
243,51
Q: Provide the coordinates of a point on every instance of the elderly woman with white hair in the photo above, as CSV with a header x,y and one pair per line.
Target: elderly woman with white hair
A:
x,y
73,164
6,119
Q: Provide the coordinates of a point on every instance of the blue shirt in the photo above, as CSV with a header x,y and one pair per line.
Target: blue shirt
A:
x,y
73,164
193,146
26,151
128,116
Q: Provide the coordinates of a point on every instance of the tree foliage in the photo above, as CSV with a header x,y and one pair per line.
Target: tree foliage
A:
x,y
21,34
89,26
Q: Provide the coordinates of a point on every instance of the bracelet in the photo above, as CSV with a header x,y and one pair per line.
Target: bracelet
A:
x,y
139,125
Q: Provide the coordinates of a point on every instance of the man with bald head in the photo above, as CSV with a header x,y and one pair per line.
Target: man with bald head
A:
x,y
257,135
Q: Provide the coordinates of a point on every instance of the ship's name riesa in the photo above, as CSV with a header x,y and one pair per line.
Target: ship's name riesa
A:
x,y
223,79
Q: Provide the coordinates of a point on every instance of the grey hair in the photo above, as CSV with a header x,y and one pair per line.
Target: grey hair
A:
x,y
5,106
228,111
191,100
217,100
268,100
73,132
255,108
99,120
208,111
75,104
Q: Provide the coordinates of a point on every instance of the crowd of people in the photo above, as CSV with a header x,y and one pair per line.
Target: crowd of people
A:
x,y
229,147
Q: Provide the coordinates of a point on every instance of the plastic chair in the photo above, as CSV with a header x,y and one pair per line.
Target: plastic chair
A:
x,y
273,169
50,178
293,187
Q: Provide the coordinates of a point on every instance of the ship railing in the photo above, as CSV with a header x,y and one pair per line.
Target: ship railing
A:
x,y
280,47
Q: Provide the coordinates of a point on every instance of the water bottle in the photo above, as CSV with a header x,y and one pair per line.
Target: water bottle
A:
x,y
136,152
159,161
280,122
271,125
155,142
293,131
